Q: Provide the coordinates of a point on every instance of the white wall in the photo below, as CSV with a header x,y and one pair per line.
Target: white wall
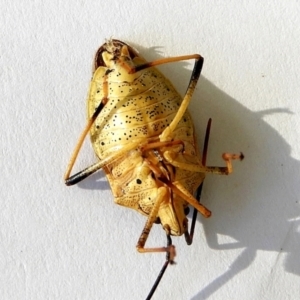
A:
x,y
74,243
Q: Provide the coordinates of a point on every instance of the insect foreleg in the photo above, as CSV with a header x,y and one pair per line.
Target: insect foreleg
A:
x,y
162,192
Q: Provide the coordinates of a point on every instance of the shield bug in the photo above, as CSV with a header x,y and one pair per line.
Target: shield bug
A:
x,y
144,137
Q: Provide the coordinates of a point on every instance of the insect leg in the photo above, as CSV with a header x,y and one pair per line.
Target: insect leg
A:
x,y
228,157
181,191
97,166
161,194
178,189
167,134
190,235
165,61
81,140
155,145
86,130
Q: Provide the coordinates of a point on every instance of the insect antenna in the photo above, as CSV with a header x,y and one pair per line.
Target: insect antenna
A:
x,y
199,190
195,213
162,271
159,277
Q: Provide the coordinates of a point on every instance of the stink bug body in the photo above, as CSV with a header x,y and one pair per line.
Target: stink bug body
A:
x,y
144,138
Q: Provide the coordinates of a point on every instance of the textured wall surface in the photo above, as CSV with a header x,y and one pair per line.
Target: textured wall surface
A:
x,y
75,243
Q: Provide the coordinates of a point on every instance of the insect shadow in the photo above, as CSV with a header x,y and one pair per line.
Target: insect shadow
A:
x,y
258,211
255,205
96,181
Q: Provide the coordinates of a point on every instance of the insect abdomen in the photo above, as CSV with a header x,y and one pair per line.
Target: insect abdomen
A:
x,y
142,108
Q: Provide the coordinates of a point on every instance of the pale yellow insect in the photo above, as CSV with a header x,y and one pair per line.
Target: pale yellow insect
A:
x,y
144,138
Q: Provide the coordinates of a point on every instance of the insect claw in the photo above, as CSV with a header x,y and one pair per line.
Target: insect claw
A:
x,y
242,156
229,156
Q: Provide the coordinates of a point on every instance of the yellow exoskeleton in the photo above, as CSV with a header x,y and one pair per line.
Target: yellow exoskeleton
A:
x,y
144,138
